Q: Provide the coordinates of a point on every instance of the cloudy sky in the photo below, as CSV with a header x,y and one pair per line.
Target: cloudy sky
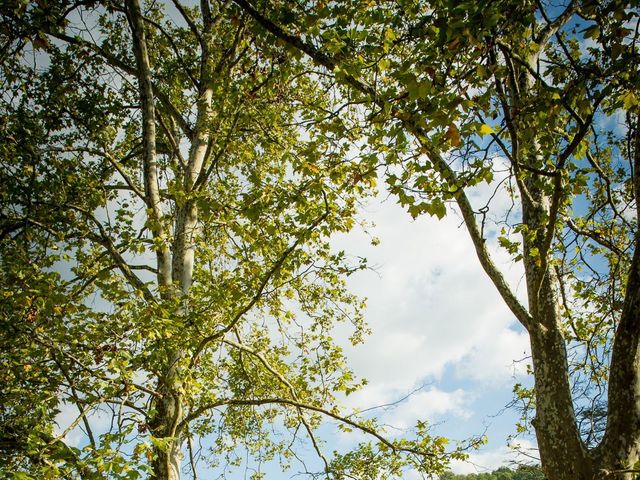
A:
x,y
438,327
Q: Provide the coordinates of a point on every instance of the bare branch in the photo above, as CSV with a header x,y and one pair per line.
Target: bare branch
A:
x,y
304,406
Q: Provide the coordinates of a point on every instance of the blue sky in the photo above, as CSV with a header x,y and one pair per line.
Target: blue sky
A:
x,y
437,322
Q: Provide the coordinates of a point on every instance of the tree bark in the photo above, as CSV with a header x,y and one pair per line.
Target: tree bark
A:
x,y
168,407
562,452
150,172
168,456
620,447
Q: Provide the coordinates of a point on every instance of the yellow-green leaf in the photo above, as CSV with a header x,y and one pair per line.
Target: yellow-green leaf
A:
x,y
485,129
629,100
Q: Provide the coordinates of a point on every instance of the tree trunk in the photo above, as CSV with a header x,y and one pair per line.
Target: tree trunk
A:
x,y
167,453
620,447
562,452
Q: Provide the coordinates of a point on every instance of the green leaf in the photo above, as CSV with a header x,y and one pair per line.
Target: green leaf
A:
x,y
592,32
629,100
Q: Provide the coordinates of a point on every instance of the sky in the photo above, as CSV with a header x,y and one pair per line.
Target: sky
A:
x,y
439,328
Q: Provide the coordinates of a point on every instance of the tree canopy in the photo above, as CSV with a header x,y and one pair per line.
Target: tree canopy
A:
x,y
522,472
537,100
168,198
172,176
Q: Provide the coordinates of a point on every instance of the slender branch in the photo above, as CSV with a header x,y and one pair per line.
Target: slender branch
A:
x,y
172,139
83,413
513,134
192,459
105,240
189,20
275,268
104,154
289,386
129,181
175,49
607,181
130,70
594,236
318,56
305,406
96,373
558,189
553,26
76,401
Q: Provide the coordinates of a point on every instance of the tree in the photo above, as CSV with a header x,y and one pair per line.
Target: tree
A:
x,y
454,91
523,472
167,201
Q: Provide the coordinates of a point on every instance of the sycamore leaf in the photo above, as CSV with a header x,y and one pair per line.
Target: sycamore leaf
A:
x,y
629,100
485,129
453,135
592,32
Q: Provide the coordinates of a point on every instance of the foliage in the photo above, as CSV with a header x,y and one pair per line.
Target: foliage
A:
x,y
172,182
535,102
168,198
522,472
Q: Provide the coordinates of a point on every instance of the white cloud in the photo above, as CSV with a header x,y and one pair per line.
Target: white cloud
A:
x,y
431,404
430,304
500,357
99,420
489,460
437,320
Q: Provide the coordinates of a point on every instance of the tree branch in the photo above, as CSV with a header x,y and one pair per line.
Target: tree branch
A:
x,y
411,123
553,26
128,69
105,240
265,280
189,20
151,185
305,406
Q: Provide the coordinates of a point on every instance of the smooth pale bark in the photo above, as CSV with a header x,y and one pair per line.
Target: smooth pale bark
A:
x,y
175,266
168,405
170,409
150,172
